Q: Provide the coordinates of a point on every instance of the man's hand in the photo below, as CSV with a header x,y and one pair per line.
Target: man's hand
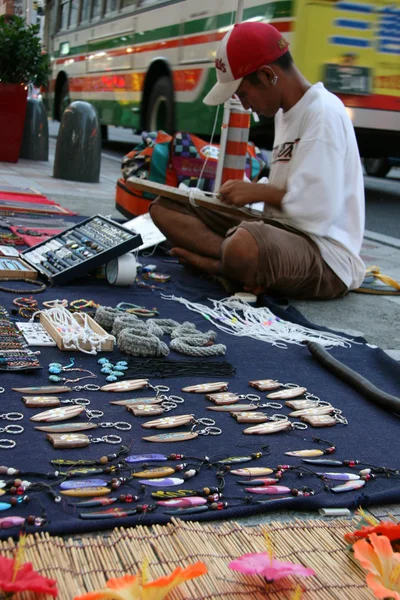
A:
x,y
240,193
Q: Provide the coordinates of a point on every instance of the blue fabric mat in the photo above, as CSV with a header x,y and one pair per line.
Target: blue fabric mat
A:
x,y
372,435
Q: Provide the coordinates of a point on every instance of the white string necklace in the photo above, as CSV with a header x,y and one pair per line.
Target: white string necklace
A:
x,y
73,333
239,318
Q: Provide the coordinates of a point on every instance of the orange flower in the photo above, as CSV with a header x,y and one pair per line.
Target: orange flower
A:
x,y
382,563
387,528
136,587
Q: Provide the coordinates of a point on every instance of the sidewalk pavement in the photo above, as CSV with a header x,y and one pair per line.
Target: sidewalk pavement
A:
x,y
372,316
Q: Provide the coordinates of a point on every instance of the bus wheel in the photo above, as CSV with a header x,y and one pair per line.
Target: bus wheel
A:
x,y
64,99
377,167
160,108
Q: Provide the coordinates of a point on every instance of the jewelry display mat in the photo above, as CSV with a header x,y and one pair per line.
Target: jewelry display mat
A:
x,y
370,437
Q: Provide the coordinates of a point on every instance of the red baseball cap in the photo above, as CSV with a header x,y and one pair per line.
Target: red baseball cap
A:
x,y
244,49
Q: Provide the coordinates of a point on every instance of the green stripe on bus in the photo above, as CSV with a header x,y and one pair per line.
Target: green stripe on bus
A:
x,y
279,9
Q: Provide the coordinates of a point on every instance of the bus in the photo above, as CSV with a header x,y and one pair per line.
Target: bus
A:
x,y
147,64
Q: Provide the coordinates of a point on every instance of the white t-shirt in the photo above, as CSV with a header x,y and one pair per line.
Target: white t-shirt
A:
x,y
315,158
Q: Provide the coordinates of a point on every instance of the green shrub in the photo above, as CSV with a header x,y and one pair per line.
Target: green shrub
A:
x,y
21,56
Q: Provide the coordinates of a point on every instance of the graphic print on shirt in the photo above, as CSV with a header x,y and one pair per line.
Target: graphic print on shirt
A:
x,y
284,152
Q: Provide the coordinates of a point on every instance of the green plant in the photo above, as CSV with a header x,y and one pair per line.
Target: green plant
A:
x,y
21,57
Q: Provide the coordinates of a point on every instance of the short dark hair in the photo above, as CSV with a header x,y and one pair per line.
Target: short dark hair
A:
x,y
285,62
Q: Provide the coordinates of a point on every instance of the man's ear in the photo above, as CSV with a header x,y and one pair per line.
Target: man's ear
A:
x,y
267,74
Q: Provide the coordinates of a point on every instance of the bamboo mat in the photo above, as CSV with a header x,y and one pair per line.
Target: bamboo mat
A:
x,y
84,564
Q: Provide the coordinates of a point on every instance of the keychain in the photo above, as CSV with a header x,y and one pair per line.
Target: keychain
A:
x,y
265,384
274,427
126,386
227,398
201,388
184,435
54,389
79,440
255,417
325,420
73,427
245,407
143,410
178,421
160,390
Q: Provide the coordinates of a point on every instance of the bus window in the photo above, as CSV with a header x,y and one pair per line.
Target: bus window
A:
x,y
111,6
128,3
85,10
64,14
96,8
73,18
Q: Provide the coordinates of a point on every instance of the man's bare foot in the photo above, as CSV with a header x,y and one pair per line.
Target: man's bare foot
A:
x,y
203,263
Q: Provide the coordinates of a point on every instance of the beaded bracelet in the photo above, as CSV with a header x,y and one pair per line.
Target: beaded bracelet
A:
x,y
41,286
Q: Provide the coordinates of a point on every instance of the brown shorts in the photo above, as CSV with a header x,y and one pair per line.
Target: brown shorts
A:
x,y
289,263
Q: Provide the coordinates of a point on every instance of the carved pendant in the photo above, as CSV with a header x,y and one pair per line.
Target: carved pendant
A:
x,y
271,490
267,428
7,522
183,502
252,471
144,410
87,492
67,427
203,388
288,393
265,384
163,482
111,513
259,482
136,401
239,459
174,494
305,453
102,501
340,476
168,422
349,486
68,440
323,461
186,511
300,404
82,483
82,472
58,414
41,401
250,417
135,458
44,389
155,473
319,420
315,410
125,386
172,437
223,399
234,408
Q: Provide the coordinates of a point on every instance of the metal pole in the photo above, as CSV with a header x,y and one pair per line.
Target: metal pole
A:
x,y
239,11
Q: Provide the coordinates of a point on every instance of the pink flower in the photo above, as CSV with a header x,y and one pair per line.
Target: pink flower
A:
x,y
263,564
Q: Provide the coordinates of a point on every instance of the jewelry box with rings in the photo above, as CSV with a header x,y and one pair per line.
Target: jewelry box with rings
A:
x,y
81,248
12,267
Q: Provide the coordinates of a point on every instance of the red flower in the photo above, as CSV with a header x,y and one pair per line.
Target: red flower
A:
x,y
387,528
24,578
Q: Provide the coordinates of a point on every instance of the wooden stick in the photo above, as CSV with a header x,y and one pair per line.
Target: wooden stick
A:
x,y
198,198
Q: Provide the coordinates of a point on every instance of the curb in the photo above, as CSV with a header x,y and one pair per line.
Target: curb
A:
x,y
386,240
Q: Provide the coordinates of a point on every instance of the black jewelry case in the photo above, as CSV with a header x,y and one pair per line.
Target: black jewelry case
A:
x,y
116,241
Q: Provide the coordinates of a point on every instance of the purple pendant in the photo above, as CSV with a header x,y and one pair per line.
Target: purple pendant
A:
x,y
323,461
340,476
74,485
162,482
7,522
135,458
183,502
269,489
348,486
